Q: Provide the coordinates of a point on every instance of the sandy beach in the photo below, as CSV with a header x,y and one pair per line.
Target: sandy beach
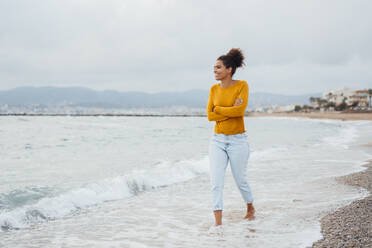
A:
x,y
350,226
328,115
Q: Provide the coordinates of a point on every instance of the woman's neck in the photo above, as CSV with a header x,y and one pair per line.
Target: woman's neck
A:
x,y
227,82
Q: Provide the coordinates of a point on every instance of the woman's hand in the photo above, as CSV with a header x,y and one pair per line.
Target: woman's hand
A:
x,y
238,101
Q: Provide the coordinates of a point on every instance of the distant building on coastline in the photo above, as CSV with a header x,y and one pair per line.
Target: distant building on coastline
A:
x,y
334,100
362,97
343,99
339,96
272,109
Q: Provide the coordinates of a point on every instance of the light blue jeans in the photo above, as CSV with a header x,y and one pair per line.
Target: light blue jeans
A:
x,y
222,149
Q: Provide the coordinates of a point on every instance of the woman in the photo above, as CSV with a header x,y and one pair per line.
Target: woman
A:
x,y
226,106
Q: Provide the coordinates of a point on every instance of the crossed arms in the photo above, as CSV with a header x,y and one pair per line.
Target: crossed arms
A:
x,y
219,113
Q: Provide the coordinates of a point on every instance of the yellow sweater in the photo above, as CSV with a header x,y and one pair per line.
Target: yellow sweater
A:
x,y
229,119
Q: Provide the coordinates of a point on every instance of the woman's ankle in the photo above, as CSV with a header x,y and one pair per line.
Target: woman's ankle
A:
x,y
218,217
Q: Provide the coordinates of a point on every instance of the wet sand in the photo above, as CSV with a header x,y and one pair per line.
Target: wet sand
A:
x,y
328,115
350,226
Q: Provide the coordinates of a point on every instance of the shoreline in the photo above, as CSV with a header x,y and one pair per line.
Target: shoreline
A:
x,y
350,226
314,115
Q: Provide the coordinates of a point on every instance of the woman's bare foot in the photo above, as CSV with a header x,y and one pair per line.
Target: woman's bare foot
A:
x,y
250,212
218,217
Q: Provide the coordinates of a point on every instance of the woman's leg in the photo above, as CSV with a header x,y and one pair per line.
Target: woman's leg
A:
x,y
238,154
218,162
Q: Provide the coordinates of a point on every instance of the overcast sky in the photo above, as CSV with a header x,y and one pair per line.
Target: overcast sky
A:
x,y
291,47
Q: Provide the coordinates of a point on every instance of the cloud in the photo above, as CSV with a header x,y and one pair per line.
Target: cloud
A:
x,y
154,45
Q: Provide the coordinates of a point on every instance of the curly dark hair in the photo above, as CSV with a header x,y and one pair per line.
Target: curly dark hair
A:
x,y
233,59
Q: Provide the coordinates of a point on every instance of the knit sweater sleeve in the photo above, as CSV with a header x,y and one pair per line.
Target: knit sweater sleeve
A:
x,y
213,116
235,111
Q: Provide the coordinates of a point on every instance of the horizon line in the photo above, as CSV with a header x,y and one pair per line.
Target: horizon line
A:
x,y
152,93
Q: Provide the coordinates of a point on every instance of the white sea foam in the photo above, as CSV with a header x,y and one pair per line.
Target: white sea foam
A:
x,y
163,174
345,136
270,153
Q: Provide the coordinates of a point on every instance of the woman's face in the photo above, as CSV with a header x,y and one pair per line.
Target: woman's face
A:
x,y
220,71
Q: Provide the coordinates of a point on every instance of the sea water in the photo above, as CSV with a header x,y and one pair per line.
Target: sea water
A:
x,y
144,181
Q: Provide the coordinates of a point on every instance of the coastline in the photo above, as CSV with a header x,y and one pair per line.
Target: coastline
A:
x,y
350,226
326,115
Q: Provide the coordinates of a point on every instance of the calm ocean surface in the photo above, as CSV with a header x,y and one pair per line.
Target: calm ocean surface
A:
x,y
144,182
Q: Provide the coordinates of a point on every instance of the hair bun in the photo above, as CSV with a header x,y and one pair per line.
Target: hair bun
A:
x,y
236,56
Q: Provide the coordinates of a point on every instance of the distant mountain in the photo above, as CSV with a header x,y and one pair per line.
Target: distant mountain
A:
x,y
265,99
79,96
